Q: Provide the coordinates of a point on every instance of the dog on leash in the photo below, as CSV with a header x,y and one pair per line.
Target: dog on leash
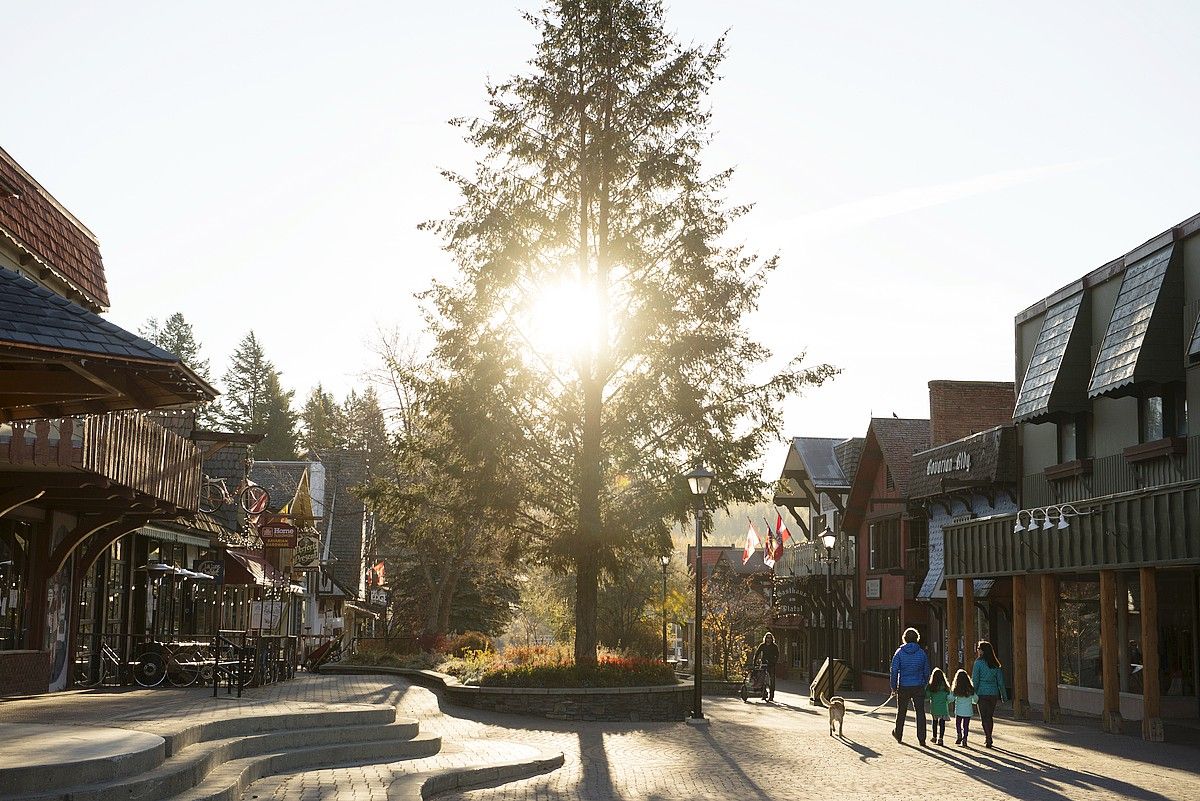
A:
x,y
837,712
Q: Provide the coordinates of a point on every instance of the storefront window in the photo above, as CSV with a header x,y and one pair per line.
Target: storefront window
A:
x,y
15,539
1079,632
883,637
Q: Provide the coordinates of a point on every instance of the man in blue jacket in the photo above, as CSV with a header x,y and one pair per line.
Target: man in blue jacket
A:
x,y
910,674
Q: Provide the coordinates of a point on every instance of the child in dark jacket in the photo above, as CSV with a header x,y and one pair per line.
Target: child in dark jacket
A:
x,y
963,699
938,693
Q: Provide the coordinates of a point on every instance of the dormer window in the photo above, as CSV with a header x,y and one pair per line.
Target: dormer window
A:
x,y
1073,438
1162,414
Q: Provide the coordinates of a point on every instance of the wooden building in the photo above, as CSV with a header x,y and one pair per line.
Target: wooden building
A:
x,y
80,465
815,596
1104,554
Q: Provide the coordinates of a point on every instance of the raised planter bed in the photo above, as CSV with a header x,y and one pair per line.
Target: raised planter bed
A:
x,y
661,703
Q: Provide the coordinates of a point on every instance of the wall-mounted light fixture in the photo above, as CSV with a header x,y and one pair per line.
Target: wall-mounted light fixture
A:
x,y
1047,517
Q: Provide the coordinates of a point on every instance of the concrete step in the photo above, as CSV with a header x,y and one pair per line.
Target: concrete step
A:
x,y
228,781
137,769
427,784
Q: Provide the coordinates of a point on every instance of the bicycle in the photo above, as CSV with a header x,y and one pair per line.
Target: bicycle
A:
x,y
215,493
105,670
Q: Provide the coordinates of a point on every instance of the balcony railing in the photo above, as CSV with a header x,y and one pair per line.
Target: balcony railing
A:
x,y
126,448
1109,475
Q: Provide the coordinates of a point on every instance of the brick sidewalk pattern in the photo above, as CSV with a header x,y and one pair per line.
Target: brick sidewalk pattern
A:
x,y
752,751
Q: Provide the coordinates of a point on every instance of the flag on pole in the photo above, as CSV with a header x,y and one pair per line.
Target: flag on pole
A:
x,y
769,549
752,543
782,535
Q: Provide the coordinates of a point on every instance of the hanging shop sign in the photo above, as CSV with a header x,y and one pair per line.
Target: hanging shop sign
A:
x,y
275,534
212,567
378,597
308,549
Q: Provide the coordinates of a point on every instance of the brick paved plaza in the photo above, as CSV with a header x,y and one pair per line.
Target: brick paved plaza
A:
x,y
744,751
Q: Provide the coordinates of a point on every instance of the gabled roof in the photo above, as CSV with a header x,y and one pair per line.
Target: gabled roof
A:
x,y
891,443
732,556
55,241
818,455
59,359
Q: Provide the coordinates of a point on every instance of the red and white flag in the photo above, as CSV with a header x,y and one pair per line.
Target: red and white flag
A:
x,y
752,543
769,549
782,535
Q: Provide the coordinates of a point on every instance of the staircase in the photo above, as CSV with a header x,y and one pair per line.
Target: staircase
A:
x,y
216,760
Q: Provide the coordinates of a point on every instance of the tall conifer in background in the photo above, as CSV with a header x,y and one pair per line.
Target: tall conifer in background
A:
x,y
322,422
175,335
255,401
591,175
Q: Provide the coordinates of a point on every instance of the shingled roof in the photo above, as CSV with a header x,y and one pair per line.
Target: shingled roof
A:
x,y
43,339
54,240
891,443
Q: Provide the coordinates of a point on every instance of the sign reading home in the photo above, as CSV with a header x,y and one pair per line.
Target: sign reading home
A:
x,y
278,535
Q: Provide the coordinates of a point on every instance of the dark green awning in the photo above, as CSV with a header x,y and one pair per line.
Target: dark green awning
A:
x,y
1144,315
1057,371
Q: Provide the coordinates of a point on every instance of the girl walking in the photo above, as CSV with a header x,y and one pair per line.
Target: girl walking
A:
x,y
989,686
938,693
963,697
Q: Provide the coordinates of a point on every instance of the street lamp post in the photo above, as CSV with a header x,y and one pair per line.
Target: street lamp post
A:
x,y
664,560
699,481
829,539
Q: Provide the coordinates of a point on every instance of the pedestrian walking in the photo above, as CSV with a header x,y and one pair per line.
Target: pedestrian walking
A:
x,y
909,675
963,699
989,686
767,654
938,693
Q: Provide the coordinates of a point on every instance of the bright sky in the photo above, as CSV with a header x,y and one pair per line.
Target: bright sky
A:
x,y
925,170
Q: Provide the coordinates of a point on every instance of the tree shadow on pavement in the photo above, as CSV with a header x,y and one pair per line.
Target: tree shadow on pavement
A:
x,y
732,765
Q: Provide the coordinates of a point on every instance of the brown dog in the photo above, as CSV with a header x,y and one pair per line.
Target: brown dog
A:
x,y
837,712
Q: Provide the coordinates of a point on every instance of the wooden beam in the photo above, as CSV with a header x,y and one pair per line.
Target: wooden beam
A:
x,y
85,528
1049,581
970,630
1152,726
952,630
1020,636
19,497
1110,668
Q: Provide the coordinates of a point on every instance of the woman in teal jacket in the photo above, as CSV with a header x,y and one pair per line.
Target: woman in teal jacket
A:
x,y
988,679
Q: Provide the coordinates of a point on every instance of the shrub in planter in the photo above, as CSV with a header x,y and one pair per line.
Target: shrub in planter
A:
x,y
460,644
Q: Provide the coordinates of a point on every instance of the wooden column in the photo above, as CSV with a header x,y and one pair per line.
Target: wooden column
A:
x,y
1152,728
952,630
1020,635
1110,669
1050,646
970,631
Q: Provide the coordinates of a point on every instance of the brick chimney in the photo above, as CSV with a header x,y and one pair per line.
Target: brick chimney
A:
x,y
960,408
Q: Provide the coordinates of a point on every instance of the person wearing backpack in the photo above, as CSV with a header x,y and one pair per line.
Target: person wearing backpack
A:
x,y
988,679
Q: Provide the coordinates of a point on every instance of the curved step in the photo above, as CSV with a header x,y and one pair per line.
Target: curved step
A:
x,y
434,782
35,757
340,715
190,767
227,782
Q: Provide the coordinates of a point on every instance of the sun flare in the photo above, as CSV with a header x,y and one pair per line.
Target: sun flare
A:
x,y
564,320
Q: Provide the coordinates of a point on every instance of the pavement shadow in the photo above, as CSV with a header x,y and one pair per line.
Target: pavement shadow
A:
x,y
865,753
1028,777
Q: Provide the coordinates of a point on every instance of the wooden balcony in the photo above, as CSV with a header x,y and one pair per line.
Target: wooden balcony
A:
x,y
125,450
1142,528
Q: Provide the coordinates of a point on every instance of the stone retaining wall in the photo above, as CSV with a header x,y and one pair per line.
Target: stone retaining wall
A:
x,y
664,703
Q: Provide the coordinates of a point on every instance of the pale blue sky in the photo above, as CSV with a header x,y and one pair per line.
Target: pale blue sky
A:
x,y
925,170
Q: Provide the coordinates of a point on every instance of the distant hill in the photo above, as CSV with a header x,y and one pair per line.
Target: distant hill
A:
x,y
730,529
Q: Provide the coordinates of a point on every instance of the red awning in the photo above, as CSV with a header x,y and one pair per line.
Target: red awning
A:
x,y
245,567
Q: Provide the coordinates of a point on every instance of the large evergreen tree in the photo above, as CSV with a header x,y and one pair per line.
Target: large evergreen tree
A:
x,y
591,178
255,401
175,335
365,428
322,422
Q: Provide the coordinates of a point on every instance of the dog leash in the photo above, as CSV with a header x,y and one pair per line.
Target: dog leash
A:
x,y
886,701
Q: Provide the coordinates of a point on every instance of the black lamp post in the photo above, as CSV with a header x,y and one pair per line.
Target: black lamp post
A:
x,y
664,560
699,481
829,539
